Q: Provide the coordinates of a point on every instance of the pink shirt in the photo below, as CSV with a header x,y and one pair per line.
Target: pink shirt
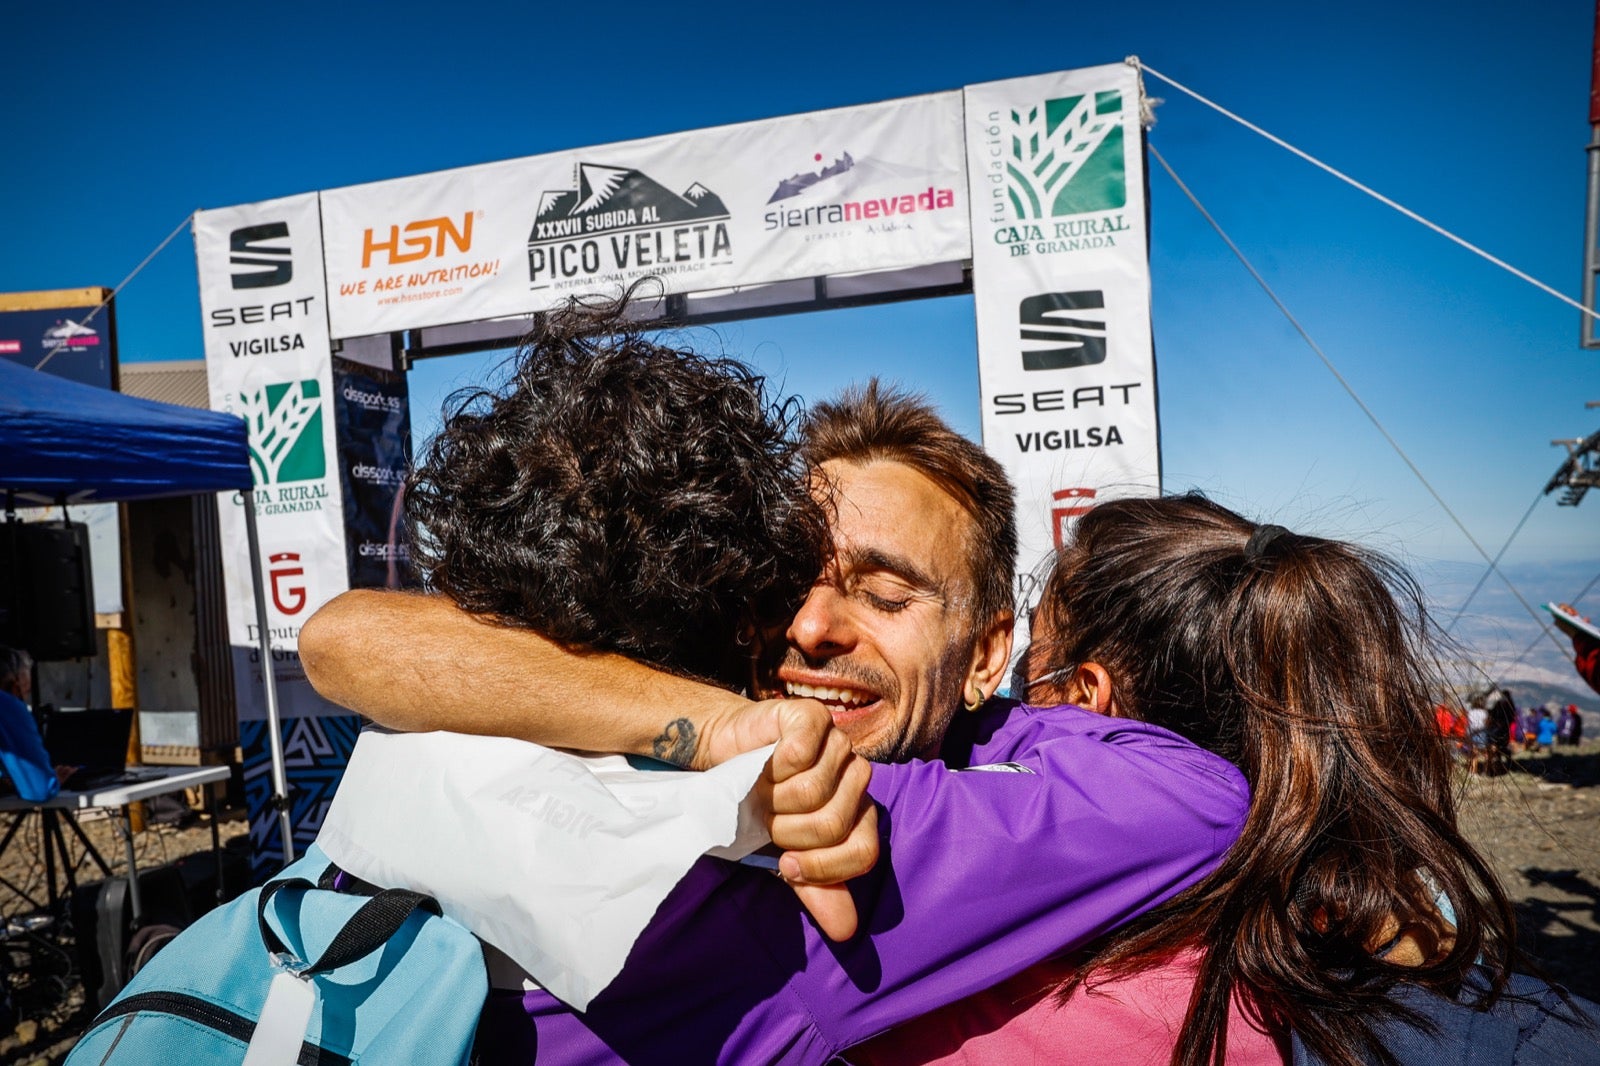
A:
x,y
1132,1021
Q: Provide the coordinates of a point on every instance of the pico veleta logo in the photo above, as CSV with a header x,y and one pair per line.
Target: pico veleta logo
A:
x,y
620,223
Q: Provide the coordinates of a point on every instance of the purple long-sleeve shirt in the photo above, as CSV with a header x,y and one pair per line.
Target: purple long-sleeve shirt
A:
x,y
983,873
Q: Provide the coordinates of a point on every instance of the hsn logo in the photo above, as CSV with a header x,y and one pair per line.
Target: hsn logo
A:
x,y
420,239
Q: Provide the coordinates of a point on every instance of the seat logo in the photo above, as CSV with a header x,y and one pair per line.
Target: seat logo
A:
x,y
264,264
1071,325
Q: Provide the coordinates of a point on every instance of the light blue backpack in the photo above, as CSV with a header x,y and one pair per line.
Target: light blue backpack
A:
x,y
297,974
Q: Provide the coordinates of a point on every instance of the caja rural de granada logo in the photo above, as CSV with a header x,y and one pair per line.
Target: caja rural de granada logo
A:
x,y
286,448
883,195
619,223
1056,178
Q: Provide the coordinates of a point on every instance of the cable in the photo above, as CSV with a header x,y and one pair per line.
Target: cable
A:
x,y
1348,180
1351,392
1564,651
144,263
1497,557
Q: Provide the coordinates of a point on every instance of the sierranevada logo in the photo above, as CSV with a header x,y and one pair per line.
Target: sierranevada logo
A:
x,y
285,423
1066,157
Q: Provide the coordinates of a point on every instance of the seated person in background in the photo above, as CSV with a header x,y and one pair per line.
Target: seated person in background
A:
x,y
1302,661
906,621
27,766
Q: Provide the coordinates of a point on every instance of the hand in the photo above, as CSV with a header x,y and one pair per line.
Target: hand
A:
x,y
1562,624
815,787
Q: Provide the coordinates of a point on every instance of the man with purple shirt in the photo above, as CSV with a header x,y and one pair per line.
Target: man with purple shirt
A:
x,y
1089,822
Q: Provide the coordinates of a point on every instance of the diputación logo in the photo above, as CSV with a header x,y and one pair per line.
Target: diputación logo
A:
x,y
288,582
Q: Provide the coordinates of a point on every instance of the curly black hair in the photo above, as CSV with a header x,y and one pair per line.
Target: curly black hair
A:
x,y
620,495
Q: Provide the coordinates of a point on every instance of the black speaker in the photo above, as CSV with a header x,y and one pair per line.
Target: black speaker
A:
x,y
46,593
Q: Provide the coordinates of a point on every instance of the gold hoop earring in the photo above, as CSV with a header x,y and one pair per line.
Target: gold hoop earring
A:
x,y
973,700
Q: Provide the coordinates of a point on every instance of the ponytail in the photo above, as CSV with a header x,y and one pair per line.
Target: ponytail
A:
x,y
1301,660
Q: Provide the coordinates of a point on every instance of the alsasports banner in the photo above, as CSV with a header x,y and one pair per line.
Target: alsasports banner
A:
x,y
877,187
1061,283
264,318
372,421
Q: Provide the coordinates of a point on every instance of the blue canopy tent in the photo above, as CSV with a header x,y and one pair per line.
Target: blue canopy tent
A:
x,y
64,442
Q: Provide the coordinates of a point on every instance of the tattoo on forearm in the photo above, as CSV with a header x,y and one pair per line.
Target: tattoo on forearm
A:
x,y
676,743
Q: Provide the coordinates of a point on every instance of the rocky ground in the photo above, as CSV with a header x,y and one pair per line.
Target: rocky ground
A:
x,y
1539,825
41,964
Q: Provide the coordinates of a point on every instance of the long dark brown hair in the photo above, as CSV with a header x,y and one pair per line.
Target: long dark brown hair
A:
x,y
1305,662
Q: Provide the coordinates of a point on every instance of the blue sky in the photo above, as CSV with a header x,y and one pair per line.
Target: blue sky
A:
x,y
123,120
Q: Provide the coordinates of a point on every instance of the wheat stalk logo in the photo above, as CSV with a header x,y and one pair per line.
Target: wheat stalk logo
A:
x,y
276,424
1045,160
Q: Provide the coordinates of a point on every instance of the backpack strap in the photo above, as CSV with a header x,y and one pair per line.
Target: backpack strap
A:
x,y
379,918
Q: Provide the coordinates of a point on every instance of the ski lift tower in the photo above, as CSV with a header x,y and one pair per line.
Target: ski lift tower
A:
x,y
1581,471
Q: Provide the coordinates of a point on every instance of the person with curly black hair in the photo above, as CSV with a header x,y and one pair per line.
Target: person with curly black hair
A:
x,y
620,495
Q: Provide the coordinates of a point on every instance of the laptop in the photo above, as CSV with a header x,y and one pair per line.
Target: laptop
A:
x,y
92,739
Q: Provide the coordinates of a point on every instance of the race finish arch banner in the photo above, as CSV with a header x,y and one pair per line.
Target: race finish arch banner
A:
x,y
1028,193
264,311
1037,182
863,188
1061,284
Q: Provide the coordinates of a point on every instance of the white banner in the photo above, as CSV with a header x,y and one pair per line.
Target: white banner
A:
x,y
264,319
1061,282
876,187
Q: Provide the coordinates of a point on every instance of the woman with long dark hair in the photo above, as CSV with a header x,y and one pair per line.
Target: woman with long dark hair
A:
x,y
1352,907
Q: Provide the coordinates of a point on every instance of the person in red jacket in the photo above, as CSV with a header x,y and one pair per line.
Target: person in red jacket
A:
x,y
1585,649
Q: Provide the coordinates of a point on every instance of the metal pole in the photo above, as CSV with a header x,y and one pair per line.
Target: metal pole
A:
x,y
1587,334
269,685
1591,242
